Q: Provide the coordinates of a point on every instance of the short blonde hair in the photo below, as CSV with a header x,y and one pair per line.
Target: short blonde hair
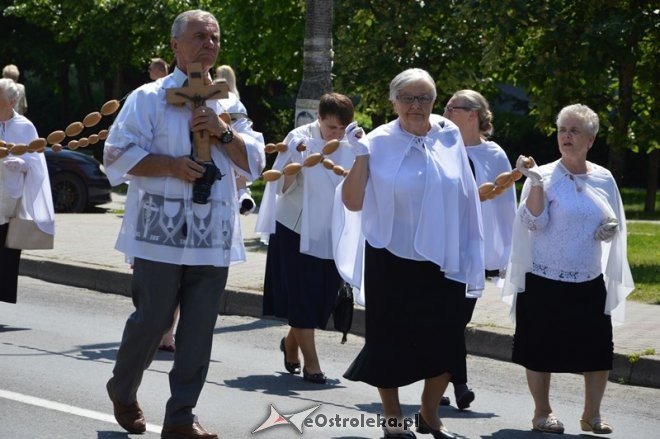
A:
x,y
11,71
227,73
161,64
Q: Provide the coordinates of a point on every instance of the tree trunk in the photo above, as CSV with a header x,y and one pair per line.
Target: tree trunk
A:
x,y
622,118
118,84
317,59
652,182
626,69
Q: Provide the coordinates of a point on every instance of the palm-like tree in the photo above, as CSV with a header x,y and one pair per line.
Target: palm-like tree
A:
x,y
317,57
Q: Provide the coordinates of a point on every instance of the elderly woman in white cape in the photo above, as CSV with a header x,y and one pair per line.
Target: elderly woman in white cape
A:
x,y
568,276
302,282
24,184
414,202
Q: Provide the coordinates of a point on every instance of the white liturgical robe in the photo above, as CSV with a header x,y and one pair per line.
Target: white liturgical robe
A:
x,y
161,223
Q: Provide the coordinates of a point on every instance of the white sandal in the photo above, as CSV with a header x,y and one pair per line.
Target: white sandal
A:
x,y
596,425
548,424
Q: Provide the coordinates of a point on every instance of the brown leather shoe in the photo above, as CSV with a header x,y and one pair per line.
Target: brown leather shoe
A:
x,y
190,431
130,417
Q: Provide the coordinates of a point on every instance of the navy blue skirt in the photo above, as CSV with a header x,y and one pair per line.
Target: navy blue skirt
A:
x,y
9,262
562,327
414,322
298,287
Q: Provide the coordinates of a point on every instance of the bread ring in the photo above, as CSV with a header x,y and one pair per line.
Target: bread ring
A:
x,y
281,147
19,149
516,174
328,164
292,169
271,175
270,148
4,152
55,137
509,184
37,144
330,147
92,119
83,142
57,147
74,129
498,190
485,190
103,134
503,179
93,138
110,107
313,159
73,144
339,170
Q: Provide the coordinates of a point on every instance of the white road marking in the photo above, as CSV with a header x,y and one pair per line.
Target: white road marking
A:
x,y
65,408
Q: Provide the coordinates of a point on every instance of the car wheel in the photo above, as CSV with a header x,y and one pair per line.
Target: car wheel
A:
x,y
69,193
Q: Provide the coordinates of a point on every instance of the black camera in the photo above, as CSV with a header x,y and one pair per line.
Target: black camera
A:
x,y
202,186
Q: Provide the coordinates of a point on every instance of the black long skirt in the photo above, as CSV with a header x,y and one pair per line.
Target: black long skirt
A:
x,y
562,327
413,322
298,287
9,262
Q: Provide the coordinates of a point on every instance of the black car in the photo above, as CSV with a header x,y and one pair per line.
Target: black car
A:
x,y
77,181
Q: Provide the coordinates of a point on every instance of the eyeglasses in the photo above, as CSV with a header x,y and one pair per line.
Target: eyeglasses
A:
x,y
451,108
409,99
572,131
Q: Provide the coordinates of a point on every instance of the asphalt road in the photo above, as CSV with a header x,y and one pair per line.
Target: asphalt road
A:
x,y
57,349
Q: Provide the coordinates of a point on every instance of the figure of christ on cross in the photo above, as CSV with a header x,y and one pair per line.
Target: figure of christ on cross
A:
x,y
197,93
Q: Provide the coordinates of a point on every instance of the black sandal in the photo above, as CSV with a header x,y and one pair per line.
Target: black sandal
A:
x,y
441,433
293,368
318,378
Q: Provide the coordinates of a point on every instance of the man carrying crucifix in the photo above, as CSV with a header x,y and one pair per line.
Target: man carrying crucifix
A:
x,y
180,247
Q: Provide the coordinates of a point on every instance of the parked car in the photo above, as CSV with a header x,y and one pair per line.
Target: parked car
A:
x,y
77,181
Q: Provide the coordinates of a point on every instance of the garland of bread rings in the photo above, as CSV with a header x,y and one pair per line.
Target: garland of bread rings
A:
x,y
56,137
311,160
487,190
490,190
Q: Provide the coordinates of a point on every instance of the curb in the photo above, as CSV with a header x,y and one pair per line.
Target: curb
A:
x,y
485,341
99,279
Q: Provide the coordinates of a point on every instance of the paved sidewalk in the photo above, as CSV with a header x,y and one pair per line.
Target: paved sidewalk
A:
x,y
84,256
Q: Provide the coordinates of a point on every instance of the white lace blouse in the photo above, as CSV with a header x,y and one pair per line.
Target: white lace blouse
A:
x,y
560,243
563,243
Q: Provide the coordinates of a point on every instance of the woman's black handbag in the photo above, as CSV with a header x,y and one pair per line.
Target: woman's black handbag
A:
x,y
343,312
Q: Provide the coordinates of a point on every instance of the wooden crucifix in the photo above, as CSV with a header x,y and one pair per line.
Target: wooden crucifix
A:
x,y
197,92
